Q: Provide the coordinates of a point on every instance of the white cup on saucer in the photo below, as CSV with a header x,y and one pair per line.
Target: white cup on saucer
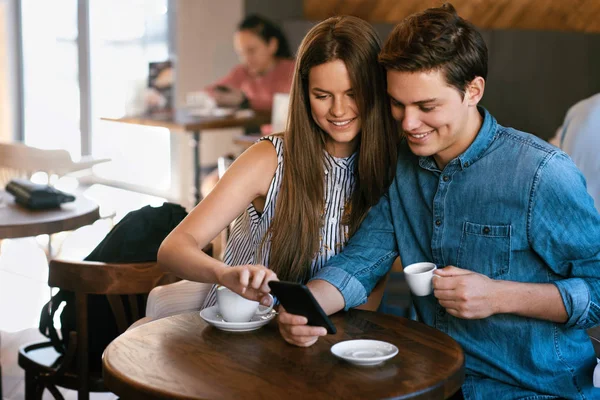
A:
x,y
419,277
235,308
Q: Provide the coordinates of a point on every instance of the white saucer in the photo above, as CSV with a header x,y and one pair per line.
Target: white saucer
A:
x,y
211,112
212,316
364,352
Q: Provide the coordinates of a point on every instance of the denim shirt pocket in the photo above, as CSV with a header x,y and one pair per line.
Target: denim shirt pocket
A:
x,y
485,249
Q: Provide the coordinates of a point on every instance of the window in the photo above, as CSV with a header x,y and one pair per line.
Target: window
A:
x,y
50,75
124,36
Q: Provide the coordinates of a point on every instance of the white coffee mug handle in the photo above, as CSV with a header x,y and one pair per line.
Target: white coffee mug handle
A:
x,y
267,310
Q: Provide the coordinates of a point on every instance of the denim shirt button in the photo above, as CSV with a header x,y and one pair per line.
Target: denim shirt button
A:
x,y
446,178
438,222
486,230
441,312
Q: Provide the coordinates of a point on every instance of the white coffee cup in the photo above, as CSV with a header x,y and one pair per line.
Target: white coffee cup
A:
x,y
235,308
200,99
419,277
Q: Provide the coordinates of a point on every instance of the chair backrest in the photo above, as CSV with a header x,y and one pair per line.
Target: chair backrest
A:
x,y
121,283
110,279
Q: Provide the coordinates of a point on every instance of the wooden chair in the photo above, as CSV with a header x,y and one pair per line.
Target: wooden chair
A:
x,y
21,161
44,367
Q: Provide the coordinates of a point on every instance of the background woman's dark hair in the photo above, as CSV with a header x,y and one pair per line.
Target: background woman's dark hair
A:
x,y
266,30
437,39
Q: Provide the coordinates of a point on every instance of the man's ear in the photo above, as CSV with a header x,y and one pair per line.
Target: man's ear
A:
x,y
475,90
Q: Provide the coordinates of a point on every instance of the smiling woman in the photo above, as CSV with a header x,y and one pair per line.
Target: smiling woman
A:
x,y
301,195
334,108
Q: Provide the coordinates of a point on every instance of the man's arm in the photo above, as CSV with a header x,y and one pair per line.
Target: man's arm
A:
x,y
564,230
366,259
348,278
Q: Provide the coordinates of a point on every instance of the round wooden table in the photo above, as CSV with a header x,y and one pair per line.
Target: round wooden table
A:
x,y
17,221
182,357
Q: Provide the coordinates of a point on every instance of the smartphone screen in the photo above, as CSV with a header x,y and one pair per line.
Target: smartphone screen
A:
x,y
297,299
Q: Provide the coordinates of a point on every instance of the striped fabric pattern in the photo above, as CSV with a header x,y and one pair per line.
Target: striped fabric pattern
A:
x,y
250,227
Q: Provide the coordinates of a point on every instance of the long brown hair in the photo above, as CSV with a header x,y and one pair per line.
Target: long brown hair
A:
x,y
295,229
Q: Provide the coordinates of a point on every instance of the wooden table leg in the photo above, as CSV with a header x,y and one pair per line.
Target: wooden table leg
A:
x,y
197,166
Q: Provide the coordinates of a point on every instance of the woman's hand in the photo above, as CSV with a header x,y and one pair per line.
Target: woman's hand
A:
x,y
249,281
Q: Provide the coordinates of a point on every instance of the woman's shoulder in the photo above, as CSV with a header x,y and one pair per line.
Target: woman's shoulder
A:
x,y
239,71
286,67
275,138
276,142
287,63
255,166
264,148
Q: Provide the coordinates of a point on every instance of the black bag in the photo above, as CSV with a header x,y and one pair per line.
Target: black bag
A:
x,y
136,238
37,197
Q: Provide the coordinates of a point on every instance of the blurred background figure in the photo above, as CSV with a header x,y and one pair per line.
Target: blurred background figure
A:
x,y
265,67
579,137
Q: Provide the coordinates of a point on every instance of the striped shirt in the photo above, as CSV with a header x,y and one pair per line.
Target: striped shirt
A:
x,y
250,227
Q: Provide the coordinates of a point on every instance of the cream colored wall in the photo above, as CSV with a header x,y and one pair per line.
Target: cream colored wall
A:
x,y
203,40
7,71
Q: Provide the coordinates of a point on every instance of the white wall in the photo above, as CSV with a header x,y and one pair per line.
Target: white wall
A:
x,y
204,42
204,47
8,90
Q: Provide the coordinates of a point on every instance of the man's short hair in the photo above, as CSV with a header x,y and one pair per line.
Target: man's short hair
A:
x,y
437,39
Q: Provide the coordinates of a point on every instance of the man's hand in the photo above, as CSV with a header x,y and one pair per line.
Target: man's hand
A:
x,y
249,281
294,330
465,294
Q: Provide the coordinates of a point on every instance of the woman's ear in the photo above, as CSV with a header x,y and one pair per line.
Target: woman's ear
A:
x,y
273,45
475,90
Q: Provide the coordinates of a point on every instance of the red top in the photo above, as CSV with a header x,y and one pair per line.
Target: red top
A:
x,y
260,89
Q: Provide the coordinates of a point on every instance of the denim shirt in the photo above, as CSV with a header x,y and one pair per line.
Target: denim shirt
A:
x,y
511,207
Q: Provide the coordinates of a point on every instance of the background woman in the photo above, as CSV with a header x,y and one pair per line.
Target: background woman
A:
x,y
265,67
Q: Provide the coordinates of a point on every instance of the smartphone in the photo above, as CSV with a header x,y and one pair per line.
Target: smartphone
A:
x,y
223,88
297,299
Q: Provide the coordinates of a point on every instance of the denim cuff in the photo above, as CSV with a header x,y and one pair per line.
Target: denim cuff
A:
x,y
576,298
351,289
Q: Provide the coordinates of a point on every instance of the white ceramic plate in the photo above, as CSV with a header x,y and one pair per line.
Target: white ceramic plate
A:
x,y
211,112
212,316
364,352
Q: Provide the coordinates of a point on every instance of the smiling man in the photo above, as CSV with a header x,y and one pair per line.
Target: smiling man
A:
x,y
504,215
